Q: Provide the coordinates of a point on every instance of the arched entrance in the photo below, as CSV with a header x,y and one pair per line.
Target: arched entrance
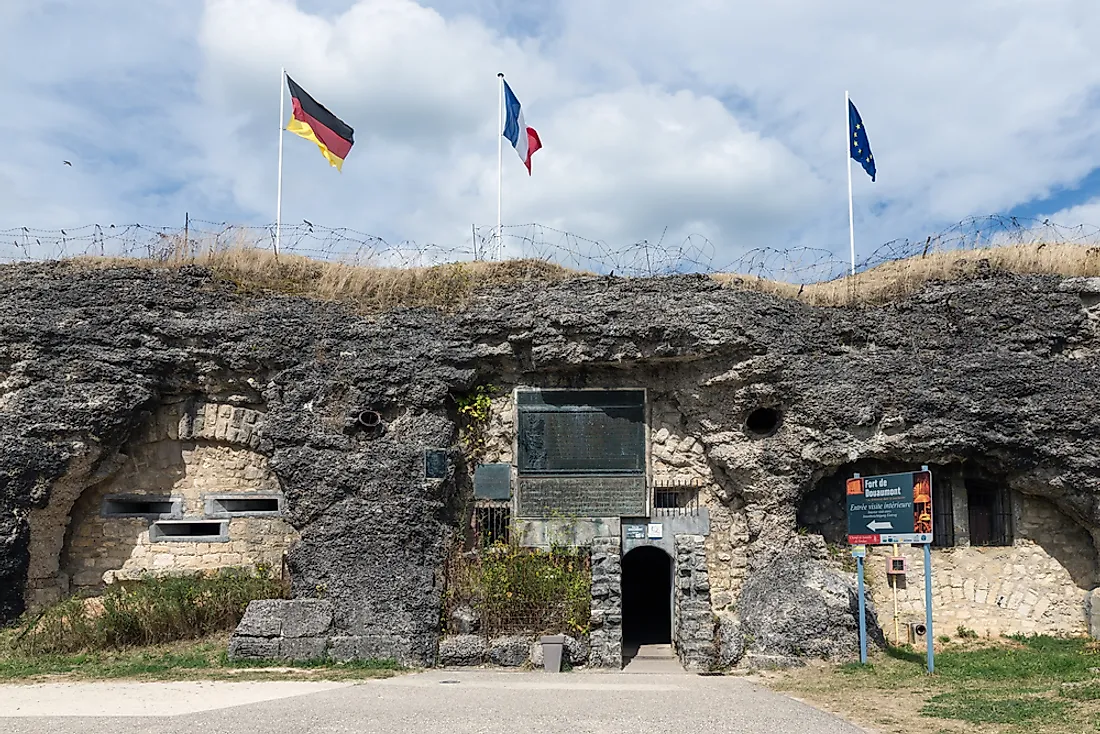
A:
x,y
647,597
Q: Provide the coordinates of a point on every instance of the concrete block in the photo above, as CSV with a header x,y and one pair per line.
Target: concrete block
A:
x,y
462,650
303,648
393,647
253,648
306,617
262,619
509,652
345,647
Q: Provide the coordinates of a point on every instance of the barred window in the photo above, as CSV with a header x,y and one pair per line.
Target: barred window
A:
x,y
990,513
943,515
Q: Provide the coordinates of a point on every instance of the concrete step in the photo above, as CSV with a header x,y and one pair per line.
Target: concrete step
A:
x,y
651,659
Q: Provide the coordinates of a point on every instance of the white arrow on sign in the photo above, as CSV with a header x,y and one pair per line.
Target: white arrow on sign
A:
x,y
876,525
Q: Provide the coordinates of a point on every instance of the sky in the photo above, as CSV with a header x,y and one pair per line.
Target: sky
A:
x,y
668,121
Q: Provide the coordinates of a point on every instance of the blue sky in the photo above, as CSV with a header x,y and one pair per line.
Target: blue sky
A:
x,y
721,120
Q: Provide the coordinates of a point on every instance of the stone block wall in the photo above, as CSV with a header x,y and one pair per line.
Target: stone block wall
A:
x,y
679,458
284,629
512,651
693,621
309,629
1040,584
606,635
185,453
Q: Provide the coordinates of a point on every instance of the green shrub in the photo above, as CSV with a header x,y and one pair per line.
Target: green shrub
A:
x,y
524,590
150,611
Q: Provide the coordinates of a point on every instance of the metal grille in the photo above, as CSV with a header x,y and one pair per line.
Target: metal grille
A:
x,y
990,510
581,432
492,524
943,515
675,498
514,591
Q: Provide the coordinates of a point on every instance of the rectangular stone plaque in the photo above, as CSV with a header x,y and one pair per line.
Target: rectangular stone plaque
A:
x,y
590,496
493,482
435,464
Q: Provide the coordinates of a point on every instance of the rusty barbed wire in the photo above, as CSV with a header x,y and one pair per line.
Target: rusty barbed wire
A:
x,y
694,254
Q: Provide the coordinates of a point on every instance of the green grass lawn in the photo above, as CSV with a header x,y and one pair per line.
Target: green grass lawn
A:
x,y
203,659
1038,685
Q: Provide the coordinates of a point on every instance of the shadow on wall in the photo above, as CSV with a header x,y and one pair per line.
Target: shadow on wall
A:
x,y
1061,537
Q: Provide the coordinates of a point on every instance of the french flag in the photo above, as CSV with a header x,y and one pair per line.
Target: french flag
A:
x,y
524,139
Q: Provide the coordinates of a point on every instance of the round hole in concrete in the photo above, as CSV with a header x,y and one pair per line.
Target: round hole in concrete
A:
x,y
763,422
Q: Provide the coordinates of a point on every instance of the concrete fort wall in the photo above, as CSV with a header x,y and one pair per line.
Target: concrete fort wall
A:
x,y
753,401
198,465
1038,584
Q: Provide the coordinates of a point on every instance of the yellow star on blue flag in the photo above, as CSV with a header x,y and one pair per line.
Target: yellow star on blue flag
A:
x,y
860,148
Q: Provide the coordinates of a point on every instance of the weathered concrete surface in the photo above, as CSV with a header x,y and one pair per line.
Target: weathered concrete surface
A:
x,y
997,371
471,701
71,702
798,607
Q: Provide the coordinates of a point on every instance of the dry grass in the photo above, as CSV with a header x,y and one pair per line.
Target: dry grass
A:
x,y
449,286
893,280
369,289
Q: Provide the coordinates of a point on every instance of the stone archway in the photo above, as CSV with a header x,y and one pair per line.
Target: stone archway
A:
x,y
193,467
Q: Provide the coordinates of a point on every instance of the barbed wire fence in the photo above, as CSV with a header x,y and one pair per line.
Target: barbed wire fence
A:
x,y
694,254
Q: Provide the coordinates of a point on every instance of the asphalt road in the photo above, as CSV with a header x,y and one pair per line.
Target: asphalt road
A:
x,y
436,702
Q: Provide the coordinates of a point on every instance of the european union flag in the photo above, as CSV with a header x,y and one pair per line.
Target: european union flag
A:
x,y
860,148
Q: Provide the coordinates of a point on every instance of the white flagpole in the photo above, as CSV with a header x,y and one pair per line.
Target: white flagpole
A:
x,y
279,203
848,157
500,161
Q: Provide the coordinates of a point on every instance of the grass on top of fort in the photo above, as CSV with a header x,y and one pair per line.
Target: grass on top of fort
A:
x,y
450,286
1037,685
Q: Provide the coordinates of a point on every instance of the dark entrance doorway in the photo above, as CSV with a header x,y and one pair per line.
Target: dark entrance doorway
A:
x,y
647,597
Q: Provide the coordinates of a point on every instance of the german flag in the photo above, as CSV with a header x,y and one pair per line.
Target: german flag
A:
x,y
313,122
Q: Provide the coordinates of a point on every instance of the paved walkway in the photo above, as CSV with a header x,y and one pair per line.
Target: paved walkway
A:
x,y
435,702
651,659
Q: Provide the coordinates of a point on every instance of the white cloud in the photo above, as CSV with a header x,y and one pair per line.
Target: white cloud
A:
x,y
696,117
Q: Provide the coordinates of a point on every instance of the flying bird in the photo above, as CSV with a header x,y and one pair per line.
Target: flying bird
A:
x,y
67,163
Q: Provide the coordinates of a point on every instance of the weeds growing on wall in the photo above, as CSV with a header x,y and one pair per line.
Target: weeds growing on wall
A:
x,y
474,411
151,611
523,590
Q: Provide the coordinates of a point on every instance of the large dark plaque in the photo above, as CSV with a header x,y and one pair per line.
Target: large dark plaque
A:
x,y
581,432
588,496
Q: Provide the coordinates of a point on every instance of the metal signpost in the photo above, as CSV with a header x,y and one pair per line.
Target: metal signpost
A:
x,y
887,510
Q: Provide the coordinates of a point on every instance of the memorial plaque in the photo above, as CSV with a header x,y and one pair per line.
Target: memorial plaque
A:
x,y
591,496
435,463
581,432
493,482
